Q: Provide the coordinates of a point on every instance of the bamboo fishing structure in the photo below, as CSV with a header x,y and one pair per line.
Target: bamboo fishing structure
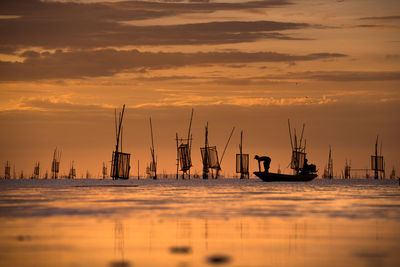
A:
x,y
223,153
120,163
205,156
347,170
7,170
36,170
377,162
298,150
104,170
242,161
209,155
72,171
55,165
183,152
153,163
328,171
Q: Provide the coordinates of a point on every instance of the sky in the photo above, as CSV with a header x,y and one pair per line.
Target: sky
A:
x,y
66,65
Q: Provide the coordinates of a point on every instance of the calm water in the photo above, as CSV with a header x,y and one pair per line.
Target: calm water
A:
x,y
199,223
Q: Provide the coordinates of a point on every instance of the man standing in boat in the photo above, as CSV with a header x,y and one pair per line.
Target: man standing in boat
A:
x,y
266,160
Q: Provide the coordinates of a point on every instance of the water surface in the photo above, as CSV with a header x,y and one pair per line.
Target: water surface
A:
x,y
223,222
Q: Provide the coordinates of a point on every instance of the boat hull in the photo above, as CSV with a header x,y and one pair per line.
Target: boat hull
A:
x,y
277,177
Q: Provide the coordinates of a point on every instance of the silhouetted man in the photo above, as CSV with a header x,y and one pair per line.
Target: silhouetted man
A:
x,y
266,160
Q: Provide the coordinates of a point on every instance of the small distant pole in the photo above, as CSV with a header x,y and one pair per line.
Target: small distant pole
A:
x,y
138,170
177,157
376,159
241,153
205,160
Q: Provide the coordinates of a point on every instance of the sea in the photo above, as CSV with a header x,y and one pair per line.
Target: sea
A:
x,y
215,222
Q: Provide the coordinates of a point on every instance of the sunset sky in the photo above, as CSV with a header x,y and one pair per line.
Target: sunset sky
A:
x,y
331,64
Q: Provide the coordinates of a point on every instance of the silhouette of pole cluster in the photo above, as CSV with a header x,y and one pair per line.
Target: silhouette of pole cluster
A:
x,y
120,161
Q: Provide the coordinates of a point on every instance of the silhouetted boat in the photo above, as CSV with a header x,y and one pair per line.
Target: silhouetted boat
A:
x,y
303,172
278,177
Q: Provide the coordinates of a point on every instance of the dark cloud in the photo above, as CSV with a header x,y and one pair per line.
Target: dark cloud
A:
x,y
333,76
30,54
69,24
106,62
102,34
381,26
393,56
125,9
368,26
381,18
348,76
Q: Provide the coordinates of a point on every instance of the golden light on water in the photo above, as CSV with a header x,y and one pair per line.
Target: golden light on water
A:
x,y
198,223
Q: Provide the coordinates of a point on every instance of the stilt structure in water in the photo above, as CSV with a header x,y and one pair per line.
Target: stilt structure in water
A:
x,y
153,163
347,170
377,162
7,171
104,170
328,171
183,152
209,156
21,176
298,150
55,164
72,171
36,171
138,172
120,162
393,173
242,161
223,154
148,173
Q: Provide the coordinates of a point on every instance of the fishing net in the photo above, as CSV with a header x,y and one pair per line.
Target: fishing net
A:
x,y
242,163
209,157
120,165
297,160
55,166
36,170
153,166
184,157
377,163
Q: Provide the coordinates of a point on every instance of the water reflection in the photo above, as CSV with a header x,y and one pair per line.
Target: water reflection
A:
x,y
201,224
119,245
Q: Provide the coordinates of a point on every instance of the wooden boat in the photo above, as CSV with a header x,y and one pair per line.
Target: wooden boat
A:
x,y
278,177
304,172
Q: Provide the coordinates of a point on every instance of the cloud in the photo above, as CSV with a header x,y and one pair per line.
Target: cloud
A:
x,y
381,18
60,103
393,56
389,27
67,24
107,62
97,34
63,104
348,76
332,76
